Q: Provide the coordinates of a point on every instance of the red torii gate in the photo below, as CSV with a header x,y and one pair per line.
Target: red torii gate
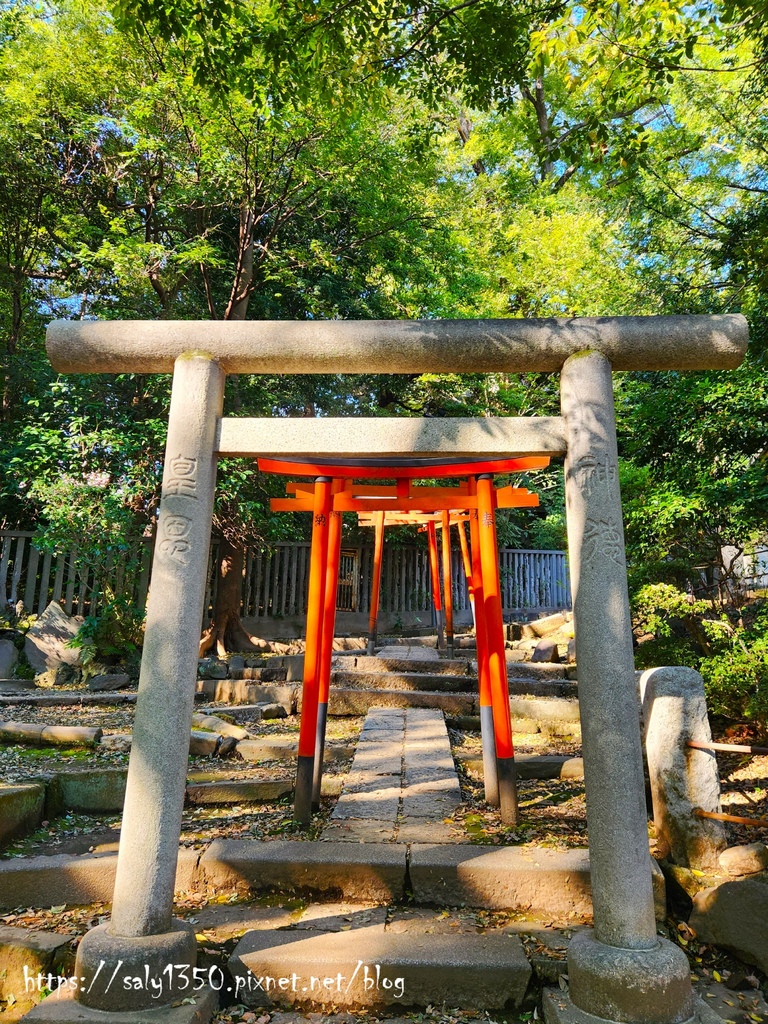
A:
x,y
334,492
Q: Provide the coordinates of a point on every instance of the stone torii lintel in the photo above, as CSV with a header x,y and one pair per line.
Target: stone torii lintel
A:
x,y
690,342
391,436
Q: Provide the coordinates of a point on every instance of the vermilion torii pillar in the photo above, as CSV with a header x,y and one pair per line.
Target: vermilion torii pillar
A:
x,y
622,971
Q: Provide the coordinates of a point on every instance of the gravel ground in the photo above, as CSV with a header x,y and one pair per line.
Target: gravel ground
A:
x,y
18,762
552,813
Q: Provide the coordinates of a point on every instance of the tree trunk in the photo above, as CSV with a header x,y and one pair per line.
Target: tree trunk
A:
x,y
225,631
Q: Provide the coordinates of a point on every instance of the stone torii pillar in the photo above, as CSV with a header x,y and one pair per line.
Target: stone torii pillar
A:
x,y
621,972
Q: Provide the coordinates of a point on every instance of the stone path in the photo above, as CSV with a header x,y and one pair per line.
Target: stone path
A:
x,y
402,782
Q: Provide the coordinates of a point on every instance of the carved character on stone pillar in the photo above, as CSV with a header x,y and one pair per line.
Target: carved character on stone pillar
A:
x,y
174,537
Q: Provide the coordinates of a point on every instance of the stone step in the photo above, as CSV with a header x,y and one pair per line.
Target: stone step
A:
x,y
435,666
534,766
370,967
554,713
406,680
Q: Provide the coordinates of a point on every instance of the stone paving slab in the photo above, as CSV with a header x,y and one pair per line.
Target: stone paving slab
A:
x,y
342,917
359,830
402,771
63,1009
370,967
381,803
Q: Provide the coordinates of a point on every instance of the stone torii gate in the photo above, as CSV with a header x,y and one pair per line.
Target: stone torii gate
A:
x,y
621,971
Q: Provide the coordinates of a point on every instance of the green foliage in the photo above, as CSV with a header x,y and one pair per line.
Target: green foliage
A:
x,y
736,678
113,636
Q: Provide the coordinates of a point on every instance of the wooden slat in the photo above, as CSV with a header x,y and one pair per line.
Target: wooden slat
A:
x,y
4,557
42,601
18,561
31,583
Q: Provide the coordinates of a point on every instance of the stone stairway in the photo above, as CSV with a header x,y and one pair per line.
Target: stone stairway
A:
x,y
401,677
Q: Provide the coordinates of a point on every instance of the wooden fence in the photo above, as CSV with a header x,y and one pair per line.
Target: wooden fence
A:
x,y
275,579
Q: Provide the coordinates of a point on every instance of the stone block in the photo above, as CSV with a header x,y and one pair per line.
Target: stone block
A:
x,y
532,670
375,873
548,624
21,732
37,951
73,880
379,801
408,680
212,723
238,791
203,743
270,711
277,748
546,710
95,790
212,668
70,735
366,967
21,810
10,687
105,681
734,916
552,882
542,688
45,644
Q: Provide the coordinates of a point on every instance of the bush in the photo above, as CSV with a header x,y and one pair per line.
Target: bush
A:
x,y
114,635
732,657
736,677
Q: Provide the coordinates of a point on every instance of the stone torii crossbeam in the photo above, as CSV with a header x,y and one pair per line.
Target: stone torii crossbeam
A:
x,y
621,971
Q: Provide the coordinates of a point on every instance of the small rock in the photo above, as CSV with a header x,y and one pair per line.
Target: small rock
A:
x,y
212,668
571,655
9,658
236,664
744,860
273,711
546,650
227,746
109,682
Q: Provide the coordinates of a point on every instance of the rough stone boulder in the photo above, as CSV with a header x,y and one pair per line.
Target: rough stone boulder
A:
x,y
744,860
46,642
734,915
9,657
